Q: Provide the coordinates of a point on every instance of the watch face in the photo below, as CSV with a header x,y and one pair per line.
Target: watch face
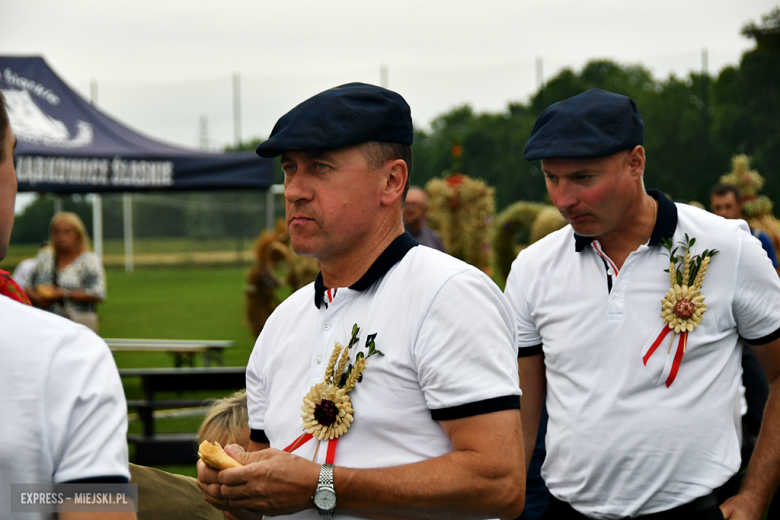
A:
x,y
325,498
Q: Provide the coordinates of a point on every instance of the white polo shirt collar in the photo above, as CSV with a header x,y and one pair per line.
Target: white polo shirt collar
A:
x,y
389,257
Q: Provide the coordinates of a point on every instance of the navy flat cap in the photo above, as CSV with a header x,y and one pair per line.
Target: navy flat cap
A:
x,y
595,123
342,116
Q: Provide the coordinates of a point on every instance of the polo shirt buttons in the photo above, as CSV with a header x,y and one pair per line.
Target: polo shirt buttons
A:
x,y
319,359
610,272
615,296
326,326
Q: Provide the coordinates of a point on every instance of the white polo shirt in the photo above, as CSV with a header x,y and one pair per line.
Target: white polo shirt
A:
x,y
446,333
63,414
619,443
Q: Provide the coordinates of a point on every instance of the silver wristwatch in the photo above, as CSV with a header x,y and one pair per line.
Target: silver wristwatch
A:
x,y
325,497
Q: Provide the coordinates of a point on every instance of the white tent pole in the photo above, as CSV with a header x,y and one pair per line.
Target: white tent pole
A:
x,y
97,224
127,206
57,204
270,205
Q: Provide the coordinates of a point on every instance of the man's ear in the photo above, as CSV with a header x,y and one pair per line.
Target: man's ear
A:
x,y
636,160
396,175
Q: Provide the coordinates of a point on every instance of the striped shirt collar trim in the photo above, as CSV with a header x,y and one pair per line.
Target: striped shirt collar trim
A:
x,y
665,224
389,257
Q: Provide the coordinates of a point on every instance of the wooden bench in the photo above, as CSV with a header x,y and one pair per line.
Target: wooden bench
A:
x,y
174,448
184,351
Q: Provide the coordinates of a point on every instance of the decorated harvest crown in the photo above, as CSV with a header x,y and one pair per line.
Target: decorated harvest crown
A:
x,y
749,182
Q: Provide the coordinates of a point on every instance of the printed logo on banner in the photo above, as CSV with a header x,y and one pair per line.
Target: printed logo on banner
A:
x,y
31,124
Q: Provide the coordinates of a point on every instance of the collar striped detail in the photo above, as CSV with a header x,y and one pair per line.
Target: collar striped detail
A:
x,y
596,246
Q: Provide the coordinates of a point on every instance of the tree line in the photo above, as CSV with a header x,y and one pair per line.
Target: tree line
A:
x,y
693,126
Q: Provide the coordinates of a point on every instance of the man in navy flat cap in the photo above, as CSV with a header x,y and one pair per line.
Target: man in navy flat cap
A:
x,y
641,385
388,387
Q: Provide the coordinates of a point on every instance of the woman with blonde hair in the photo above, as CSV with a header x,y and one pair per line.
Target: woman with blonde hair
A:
x,y
69,278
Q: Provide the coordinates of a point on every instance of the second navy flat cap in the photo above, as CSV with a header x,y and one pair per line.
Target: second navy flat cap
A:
x,y
347,115
595,123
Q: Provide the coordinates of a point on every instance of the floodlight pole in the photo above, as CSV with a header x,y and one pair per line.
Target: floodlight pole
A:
x,y
97,200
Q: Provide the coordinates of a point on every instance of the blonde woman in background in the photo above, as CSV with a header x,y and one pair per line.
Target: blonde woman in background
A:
x,y
69,278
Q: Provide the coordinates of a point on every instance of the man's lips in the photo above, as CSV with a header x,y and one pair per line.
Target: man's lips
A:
x,y
577,218
300,219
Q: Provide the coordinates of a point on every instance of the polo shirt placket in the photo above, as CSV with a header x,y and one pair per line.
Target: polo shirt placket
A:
x,y
338,301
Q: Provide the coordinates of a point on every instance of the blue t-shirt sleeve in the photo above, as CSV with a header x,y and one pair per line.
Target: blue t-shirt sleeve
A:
x,y
769,247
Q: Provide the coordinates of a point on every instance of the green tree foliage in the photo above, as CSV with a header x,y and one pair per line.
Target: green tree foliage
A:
x,y
693,125
32,226
747,119
677,114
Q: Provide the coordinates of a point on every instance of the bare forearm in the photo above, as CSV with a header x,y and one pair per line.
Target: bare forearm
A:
x,y
37,299
534,386
763,473
83,296
483,477
457,485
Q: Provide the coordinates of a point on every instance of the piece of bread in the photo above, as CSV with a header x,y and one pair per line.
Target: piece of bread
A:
x,y
46,291
215,457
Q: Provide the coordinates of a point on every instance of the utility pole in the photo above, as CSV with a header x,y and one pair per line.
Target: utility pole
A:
x,y
539,73
93,91
383,76
540,81
705,114
237,108
204,133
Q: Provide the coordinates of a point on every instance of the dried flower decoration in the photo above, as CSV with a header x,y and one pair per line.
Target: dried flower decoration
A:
x,y
682,308
327,409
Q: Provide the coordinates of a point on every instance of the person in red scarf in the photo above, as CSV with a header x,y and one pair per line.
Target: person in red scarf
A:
x,y
11,289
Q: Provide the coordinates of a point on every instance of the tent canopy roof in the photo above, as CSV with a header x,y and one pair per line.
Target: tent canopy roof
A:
x,y
66,145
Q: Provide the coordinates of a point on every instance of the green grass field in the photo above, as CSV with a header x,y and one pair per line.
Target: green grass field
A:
x,y
175,303
141,246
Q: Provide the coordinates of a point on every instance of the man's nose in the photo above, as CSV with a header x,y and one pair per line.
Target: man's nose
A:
x,y
296,189
563,196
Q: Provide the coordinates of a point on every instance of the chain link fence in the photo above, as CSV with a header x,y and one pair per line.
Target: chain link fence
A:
x,y
188,228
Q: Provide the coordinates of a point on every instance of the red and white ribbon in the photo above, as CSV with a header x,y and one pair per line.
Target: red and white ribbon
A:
x,y
669,371
306,437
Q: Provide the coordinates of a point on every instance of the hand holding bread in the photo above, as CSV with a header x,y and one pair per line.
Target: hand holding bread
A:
x,y
215,457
